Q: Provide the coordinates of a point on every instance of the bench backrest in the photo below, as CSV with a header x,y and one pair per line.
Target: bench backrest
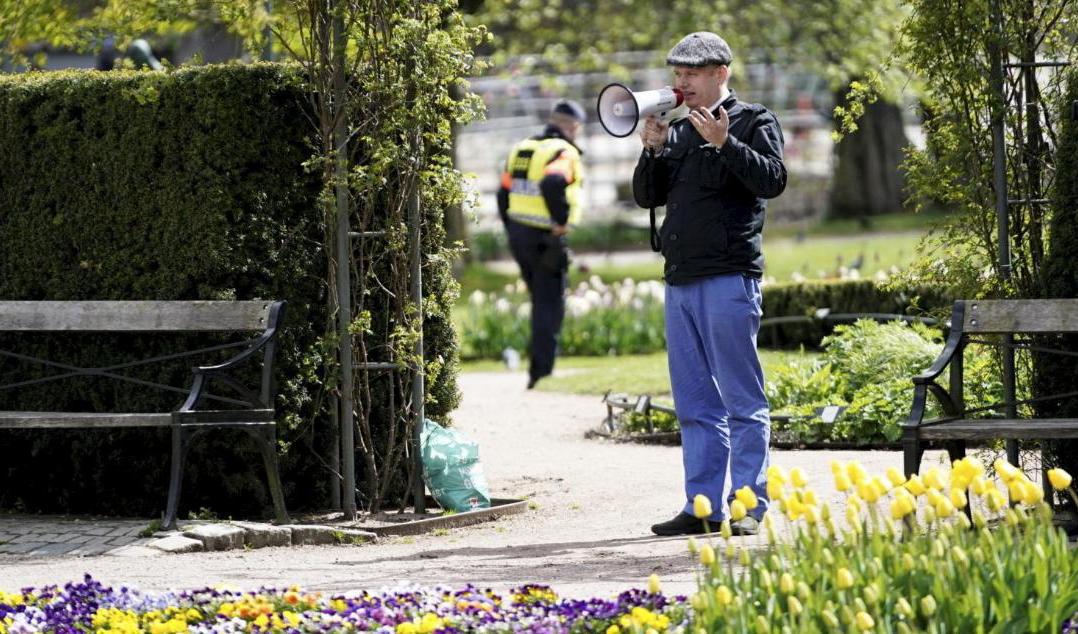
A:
x,y
1018,315
135,316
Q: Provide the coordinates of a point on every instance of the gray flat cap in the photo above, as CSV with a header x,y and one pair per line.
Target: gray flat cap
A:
x,y
702,48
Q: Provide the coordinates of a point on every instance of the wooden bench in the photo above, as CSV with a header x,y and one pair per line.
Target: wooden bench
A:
x,y
998,323
244,408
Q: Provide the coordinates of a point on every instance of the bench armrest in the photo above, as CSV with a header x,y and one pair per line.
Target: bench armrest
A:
x,y
925,382
264,342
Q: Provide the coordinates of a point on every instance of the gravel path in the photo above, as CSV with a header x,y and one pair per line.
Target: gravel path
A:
x,y
587,533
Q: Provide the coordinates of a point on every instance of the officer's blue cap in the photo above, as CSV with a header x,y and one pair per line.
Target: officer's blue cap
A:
x,y
570,108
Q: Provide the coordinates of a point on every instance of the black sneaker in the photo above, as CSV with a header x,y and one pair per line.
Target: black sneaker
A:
x,y
685,524
531,382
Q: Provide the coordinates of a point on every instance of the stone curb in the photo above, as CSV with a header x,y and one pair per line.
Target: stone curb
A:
x,y
243,535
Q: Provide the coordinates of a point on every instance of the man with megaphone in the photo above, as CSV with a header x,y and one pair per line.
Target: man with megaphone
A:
x,y
539,201
713,169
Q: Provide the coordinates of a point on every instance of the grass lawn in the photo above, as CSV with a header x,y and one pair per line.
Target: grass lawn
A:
x,y
631,374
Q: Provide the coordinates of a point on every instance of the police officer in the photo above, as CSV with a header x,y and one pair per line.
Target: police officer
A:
x,y
539,201
713,170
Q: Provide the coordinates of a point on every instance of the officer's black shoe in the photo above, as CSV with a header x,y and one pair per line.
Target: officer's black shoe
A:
x,y
531,382
685,524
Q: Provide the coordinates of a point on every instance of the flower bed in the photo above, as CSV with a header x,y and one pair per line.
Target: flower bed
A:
x,y
89,606
904,559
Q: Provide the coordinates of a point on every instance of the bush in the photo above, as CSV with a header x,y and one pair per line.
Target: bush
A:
x,y
182,185
838,297
867,367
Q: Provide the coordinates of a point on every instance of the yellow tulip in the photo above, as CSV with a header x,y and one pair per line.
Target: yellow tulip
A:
x,y
1059,478
775,489
933,496
852,517
737,510
1006,470
995,499
978,485
958,498
723,595
747,497
725,530
654,586
701,506
856,472
959,481
808,496
613,629
844,578
1014,490
797,477
915,485
786,583
930,514
1031,493
836,467
933,479
830,619
872,595
928,605
944,508
707,555
864,621
793,605
842,482
810,513
896,477
775,472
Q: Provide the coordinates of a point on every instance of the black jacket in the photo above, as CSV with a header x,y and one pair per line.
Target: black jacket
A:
x,y
715,198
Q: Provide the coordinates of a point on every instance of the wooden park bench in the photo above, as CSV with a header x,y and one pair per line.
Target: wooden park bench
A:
x,y
243,408
991,322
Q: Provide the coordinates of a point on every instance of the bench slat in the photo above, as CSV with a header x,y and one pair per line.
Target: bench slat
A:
x,y
1021,315
80,420
133,316
1001,428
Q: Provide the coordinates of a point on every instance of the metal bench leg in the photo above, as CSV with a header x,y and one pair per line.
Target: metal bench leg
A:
x,y
180,443
956,450
268,445
912,451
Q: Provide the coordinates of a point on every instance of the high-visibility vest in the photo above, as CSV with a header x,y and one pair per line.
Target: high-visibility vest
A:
x,y
528,163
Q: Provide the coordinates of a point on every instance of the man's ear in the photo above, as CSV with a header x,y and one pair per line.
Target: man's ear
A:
x,y
724,74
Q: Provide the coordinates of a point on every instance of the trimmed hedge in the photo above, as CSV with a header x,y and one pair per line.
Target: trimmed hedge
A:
x,y
1054,373
839,297
181,185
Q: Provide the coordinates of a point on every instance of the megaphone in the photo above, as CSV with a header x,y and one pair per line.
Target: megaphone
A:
x,y
620,109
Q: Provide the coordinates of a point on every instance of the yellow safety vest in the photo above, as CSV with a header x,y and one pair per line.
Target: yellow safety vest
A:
x,y
529,162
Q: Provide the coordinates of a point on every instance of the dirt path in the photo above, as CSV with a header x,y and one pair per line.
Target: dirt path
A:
x,y
586,535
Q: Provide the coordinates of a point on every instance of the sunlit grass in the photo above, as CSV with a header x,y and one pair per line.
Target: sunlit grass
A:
x,y
636,374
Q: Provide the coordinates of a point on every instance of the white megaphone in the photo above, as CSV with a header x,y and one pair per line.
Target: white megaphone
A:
x,y
620,109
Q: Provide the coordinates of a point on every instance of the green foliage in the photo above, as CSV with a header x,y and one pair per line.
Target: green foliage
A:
x,y
1008,570
1055,373
840,297
867,367
949,47
181,185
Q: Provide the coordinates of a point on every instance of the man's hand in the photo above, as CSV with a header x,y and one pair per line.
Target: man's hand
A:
x,y
715,131
653,134
559,230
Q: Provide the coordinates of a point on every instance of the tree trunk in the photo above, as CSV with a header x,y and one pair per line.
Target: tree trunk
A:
x,y
867,179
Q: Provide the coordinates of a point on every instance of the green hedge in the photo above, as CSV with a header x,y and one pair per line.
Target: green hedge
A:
x,y
1053,373
838,297
181,185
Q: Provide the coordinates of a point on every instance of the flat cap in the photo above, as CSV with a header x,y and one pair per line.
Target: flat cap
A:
x,y
570,108
702,48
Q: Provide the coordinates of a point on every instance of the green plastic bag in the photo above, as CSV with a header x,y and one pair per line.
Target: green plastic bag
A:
x,y
451,469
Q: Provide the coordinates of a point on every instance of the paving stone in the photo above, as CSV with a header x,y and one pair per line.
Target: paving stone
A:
x,y
20,548
54,548
136,550
217,536
257,535
178,544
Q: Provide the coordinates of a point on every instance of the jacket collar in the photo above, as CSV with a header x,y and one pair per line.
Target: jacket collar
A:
x,y
553,132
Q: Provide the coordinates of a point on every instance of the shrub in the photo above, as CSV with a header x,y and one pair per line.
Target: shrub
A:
x,y
182,185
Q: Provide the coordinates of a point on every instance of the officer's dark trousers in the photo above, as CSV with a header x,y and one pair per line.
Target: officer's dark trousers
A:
x,y
545,277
